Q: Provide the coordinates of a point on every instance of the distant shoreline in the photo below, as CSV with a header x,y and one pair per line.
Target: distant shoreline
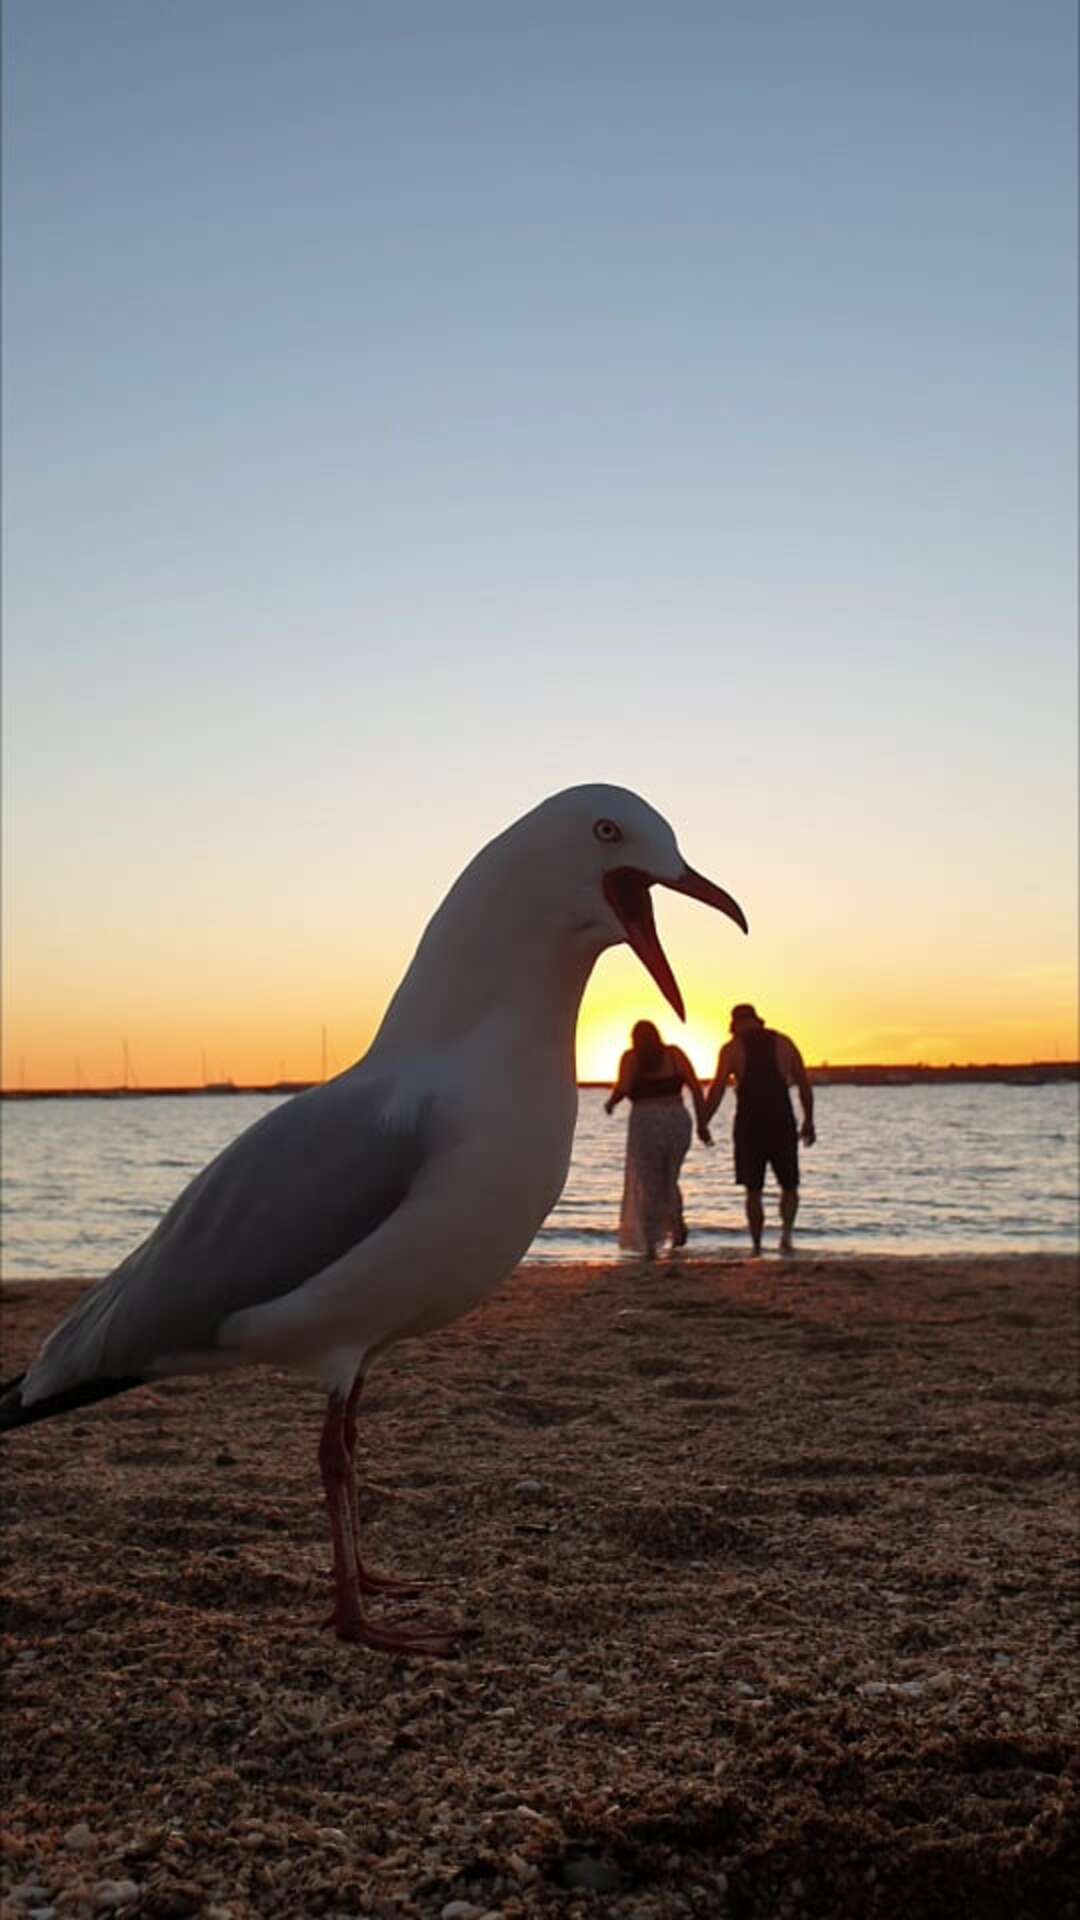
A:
x,y
1035,1074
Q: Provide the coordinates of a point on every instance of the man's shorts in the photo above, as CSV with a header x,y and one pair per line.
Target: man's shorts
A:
x,y
757,1147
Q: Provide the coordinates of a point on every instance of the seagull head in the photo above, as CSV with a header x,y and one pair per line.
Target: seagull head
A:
x,y
535,908
601,849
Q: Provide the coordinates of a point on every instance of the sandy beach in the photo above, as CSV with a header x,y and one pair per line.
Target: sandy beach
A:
x,y
773,1568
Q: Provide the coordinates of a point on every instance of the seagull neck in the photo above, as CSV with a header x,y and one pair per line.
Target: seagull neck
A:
x,y
533,991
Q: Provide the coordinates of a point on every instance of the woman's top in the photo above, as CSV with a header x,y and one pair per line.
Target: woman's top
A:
x,y
655,1086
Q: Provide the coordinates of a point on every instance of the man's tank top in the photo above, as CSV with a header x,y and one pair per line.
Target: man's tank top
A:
x,y
762,1089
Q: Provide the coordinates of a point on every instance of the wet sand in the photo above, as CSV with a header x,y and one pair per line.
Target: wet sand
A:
x,y
774,1566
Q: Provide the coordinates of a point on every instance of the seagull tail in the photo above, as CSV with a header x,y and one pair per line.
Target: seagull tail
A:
x,y
14,1414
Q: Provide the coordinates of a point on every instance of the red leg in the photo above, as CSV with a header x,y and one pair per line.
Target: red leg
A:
x,y
349,1622
368,1579
336,1469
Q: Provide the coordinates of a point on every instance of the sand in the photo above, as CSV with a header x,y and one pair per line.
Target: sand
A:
x,y
773,1566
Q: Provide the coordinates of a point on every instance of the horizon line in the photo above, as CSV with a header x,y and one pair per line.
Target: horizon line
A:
x,y
823,1070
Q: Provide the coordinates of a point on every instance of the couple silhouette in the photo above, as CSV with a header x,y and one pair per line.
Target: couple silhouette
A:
x,y
761,1064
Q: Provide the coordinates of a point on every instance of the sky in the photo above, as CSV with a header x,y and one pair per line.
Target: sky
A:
x,y
411,410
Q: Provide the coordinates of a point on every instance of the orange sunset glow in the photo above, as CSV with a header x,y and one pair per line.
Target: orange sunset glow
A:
x,y
260,1027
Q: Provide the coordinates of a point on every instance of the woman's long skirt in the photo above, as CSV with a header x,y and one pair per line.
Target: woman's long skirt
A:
x,y
657,1140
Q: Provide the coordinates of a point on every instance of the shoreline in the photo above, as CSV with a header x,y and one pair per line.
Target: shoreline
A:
x,y
771,1565
802,1262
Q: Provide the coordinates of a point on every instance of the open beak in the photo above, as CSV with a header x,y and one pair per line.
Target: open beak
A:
x,y
627,892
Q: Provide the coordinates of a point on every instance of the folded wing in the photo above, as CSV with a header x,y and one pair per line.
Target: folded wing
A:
x,y
297,1190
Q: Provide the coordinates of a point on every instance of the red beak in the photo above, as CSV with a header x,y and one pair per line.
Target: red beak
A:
x,y
627,892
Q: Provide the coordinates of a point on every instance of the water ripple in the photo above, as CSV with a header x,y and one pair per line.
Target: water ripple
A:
x,y
896,1169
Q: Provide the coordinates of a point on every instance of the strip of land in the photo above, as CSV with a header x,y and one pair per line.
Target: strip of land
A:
x,y
774,1566
1037,1073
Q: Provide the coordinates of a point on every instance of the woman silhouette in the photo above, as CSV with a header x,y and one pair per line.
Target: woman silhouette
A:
x,y
652,1077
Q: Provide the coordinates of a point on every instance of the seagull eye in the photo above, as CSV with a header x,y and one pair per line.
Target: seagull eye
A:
x,y
607,830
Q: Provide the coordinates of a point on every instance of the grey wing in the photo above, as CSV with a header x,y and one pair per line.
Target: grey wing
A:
x,y
294,1192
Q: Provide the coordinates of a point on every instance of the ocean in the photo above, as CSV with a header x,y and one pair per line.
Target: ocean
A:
x,y
919,1169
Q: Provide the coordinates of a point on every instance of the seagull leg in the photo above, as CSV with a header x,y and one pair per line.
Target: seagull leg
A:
x,y
336,1469
368,1579
349,1621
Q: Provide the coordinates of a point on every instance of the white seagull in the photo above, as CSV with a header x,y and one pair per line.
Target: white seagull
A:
x,y
395,1197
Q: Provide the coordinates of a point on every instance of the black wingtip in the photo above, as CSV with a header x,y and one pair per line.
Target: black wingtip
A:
x,y
13,1414
11,1402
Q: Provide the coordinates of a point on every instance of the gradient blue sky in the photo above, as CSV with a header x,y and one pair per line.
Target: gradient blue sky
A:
x,y
413,408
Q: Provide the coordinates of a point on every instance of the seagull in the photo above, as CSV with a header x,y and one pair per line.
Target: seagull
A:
x,y
393,1198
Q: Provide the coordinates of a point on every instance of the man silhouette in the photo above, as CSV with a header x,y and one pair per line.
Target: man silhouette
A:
x,y
763,1064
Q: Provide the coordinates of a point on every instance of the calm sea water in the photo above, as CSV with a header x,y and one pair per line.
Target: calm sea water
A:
x,y
896,1169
